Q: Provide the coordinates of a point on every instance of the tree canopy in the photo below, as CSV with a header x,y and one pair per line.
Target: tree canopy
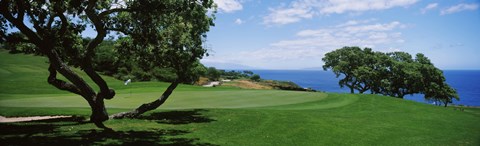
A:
x,y
394,74
163,33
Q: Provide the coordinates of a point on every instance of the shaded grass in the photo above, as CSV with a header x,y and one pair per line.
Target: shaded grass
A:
x,y
75,132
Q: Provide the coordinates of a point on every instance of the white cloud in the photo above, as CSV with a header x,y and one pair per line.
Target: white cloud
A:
x,y
429,7
327,39
459,8
309,46
288,15
228,6
239,21
355,22
342,6
306,9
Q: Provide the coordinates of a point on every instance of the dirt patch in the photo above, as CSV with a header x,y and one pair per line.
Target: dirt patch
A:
x,y
34,118
245,84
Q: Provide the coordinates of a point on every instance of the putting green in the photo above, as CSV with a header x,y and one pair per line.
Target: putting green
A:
x,y
181,99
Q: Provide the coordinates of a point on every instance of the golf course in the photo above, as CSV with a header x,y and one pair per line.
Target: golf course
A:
x,y
196,115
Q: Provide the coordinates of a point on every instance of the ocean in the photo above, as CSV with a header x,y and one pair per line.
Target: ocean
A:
x,y
466,82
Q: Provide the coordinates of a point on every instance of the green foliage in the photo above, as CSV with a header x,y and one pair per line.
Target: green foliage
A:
x,y
213,74
235,74
14,42
394,74
175,30
255,78
345,62
283,85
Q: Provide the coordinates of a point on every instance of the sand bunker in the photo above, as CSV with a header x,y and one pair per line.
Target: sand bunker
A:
x,y
24,119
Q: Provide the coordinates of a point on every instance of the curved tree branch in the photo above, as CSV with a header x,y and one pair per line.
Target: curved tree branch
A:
x,y
60,84
64,20
105,92
148,106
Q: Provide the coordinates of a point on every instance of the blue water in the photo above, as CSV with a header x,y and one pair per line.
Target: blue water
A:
x,y
467,83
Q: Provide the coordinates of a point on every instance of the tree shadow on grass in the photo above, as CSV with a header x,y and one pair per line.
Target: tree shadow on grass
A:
x,y
179,117
49,132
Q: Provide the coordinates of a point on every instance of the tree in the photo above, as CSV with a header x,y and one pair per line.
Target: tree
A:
x,y
434,85
57,28
255,77
56,34
345,61
213,74
175,41
394,74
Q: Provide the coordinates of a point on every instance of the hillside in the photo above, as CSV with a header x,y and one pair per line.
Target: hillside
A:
x,y
223,115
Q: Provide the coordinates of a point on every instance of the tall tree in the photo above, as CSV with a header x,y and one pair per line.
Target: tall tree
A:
x,y
434,85
57,27
394,74
345,61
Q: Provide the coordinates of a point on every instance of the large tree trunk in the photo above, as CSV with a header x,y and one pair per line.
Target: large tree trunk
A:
x,y
99,114
78,86
148,106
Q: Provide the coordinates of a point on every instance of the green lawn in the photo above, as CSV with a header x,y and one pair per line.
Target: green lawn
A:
x,y
222,116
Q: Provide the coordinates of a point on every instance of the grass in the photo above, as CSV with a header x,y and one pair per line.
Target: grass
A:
x,y
222,115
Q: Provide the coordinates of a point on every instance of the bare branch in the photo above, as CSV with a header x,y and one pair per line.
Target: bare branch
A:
x,y
64,20
105,92
21,9
50,21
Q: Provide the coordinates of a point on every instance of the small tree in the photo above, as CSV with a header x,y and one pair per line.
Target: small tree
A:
x,y
213,74
176,31
255,77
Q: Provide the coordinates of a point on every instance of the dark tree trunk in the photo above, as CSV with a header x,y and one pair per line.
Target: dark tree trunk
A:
x,y
79,86
148,106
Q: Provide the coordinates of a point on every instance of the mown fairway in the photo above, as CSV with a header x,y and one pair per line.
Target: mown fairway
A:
x,y
223,115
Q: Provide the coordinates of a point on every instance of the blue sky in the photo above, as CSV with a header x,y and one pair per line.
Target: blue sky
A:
x,y
295,34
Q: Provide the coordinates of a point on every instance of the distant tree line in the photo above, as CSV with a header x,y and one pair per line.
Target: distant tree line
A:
x,y
215,74
393,74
